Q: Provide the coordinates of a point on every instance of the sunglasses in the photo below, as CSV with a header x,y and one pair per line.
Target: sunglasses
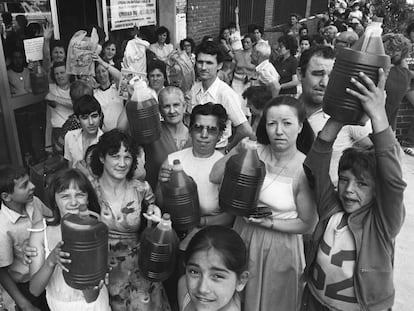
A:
x,y
211,130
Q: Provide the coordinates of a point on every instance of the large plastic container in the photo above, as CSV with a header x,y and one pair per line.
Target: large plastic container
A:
x,y
158,251
143,114
39,80
86,239
180,199
243,178
367,55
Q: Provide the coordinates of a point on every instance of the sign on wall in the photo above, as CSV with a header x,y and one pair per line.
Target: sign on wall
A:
x,y
130,13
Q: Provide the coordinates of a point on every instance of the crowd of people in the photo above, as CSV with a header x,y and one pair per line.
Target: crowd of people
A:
x,y
331,199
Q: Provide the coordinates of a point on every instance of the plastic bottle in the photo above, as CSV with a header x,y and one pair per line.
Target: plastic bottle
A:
x,y
39,80
158,251
367,55
180,199
143,114
86,239
243,178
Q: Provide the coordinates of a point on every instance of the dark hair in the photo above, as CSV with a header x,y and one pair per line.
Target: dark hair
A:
x,y
110,143
162,30
108,43
211,48
210,109
287,100
232,25
61,181
317,50
57,43
304,38
78,88
7,18
189,40
54,66
222,31
8,176
318,39
207,38
258,95
358,161
85,105
225,241
248,35
290,43
410,29
160,65
259,28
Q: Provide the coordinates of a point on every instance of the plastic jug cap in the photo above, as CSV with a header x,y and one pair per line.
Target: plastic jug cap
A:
x,y
166,216
177,165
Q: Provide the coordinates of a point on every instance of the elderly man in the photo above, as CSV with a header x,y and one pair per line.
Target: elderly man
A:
x,y
345,39
266,74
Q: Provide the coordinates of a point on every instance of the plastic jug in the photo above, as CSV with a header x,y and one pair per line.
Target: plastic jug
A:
x,y
143,114
180,199
243,178
367,55
86,239
158,251
39,80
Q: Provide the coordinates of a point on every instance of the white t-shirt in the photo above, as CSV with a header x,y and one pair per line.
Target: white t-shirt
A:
x,y
64,107
73,145
220,93
235,41
199,169
111,104
266,73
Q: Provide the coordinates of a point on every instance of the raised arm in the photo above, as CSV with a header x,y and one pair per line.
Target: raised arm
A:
x,y
236,13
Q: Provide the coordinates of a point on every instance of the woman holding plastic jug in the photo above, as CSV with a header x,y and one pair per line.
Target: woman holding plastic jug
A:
x,y
123,199
274,237
70,192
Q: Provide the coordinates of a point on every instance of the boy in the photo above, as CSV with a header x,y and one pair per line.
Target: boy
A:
x,y
19,210
350,262
89,114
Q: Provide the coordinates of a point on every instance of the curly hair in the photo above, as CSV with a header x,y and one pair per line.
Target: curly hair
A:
x,y
109,144
396,42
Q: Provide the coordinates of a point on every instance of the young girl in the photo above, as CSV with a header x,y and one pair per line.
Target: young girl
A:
x,y
70,192
215,273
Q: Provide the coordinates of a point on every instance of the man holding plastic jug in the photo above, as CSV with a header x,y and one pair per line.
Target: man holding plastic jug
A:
x,y
211,89
315,66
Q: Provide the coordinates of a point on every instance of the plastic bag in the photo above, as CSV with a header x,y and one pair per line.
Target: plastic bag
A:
x,y
80,53
180,70
134,56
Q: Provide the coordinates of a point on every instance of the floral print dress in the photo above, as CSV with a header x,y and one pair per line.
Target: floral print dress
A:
x,y
128,289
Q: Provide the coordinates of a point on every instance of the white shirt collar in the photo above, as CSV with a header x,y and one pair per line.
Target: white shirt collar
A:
x,y
14,216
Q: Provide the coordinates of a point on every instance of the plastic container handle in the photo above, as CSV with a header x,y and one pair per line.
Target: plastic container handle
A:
x,y
88,212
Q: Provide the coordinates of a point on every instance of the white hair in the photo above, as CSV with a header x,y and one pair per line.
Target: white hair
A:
x,y
263,48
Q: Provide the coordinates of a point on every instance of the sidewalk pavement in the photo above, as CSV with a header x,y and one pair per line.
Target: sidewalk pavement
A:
x,y
404,249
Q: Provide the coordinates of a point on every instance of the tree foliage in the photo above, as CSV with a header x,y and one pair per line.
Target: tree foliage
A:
x,y
397,14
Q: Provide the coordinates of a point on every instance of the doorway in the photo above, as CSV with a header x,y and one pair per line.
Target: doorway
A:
x,y
75,15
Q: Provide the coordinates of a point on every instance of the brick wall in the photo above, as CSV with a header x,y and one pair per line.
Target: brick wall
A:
x,y
404,119
203,18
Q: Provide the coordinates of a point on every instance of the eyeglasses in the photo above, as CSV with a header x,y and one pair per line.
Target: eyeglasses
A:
x,y
211,130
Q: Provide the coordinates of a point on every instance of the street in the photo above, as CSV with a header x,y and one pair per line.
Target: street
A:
x,y
404,253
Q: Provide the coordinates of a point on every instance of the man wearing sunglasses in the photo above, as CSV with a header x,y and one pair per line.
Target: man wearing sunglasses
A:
x,y
211,89
207,123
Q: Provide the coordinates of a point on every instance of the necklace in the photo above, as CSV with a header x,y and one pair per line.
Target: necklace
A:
x,y
280,171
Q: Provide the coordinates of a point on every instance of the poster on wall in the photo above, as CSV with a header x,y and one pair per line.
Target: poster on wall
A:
x,y
129,13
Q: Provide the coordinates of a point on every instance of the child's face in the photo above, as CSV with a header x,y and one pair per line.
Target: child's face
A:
x,y
90,122
232,30
23,190
355,192
210,283
71,200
